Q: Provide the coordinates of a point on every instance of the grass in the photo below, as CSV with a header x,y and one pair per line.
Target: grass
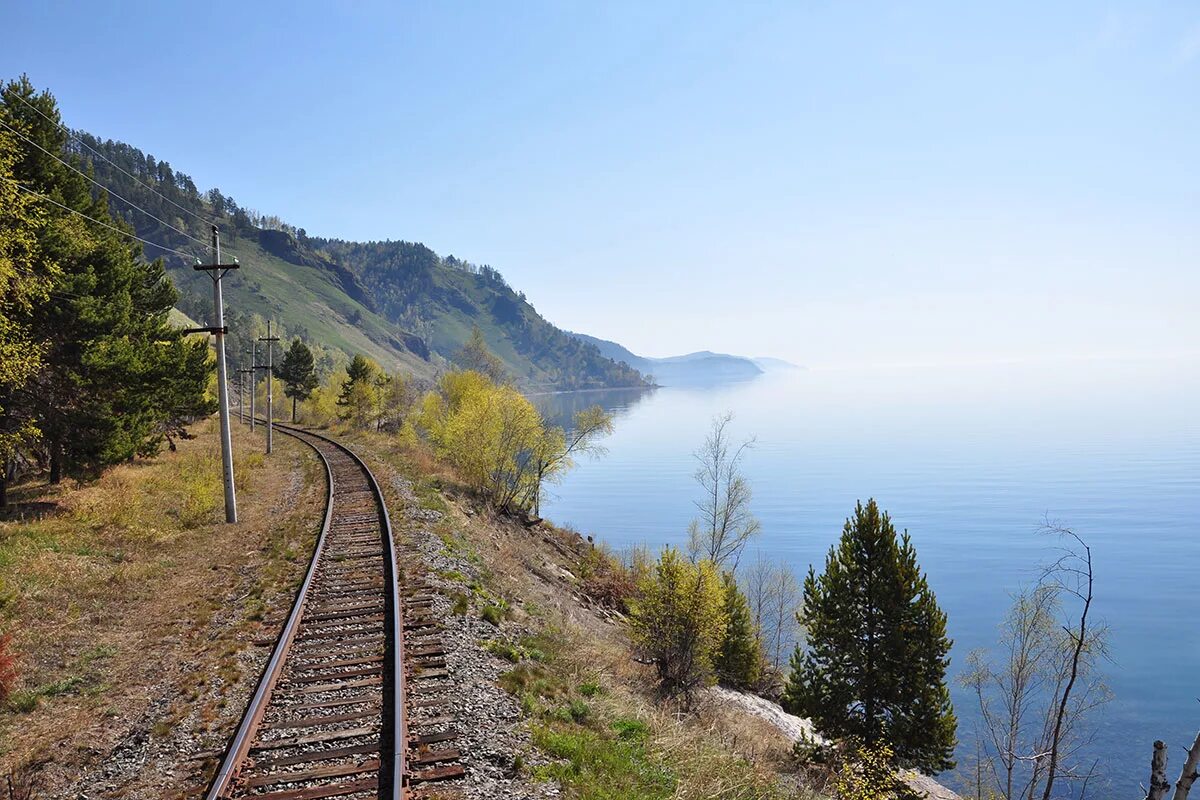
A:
x,y
27,700
598,765
590,708
609,743
525,650
492,613
596,757
113,585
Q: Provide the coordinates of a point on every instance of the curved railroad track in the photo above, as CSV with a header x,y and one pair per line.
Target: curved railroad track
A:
x,y
328,718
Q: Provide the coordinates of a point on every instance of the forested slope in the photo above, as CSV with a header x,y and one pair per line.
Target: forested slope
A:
x,y
398,302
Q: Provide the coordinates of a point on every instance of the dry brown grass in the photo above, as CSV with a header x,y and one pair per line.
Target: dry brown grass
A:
x,y
134,590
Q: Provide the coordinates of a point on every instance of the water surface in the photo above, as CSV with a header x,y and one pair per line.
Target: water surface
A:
x,y
972,461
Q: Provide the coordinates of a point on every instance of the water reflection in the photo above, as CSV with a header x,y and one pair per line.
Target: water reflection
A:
x,y
560,408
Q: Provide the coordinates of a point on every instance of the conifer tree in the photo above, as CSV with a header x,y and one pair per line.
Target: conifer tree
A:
x,y
874,664
116,377
358,402
475,355
298,372
739,661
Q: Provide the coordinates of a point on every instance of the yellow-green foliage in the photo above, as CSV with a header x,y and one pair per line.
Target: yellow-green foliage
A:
x,y
407,437
492,435
320,409
867,774
24,270
358,403
679,621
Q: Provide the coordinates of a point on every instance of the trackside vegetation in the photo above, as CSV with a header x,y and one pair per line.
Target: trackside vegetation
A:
x,y
92,372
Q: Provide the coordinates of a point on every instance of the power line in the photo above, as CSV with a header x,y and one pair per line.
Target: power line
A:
x,y
102,186
22,187
104,158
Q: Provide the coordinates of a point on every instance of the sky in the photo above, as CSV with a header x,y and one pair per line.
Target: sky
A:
x,y
831,183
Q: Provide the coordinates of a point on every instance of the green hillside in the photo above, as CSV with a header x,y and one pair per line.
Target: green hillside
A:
x,y
397,302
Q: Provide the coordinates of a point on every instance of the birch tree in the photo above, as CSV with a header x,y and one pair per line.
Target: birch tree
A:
x,y
773,592
1159,785
1039,688
725,524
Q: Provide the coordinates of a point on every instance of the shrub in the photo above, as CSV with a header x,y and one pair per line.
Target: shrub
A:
x,y
607,581
866,773
679,622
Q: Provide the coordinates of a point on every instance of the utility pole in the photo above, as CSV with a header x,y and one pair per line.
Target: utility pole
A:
x,y
241,396
245,372
242,391
253,381
216,271
270,340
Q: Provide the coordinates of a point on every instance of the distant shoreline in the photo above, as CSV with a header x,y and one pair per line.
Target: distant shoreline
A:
x,y
642,387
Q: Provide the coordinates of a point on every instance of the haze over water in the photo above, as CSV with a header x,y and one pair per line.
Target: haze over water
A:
x,y
971,460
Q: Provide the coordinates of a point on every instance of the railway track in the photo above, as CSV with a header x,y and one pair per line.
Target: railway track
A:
x,y
360,646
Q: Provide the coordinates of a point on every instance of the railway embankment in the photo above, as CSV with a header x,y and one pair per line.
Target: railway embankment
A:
x,y
139,621
142,625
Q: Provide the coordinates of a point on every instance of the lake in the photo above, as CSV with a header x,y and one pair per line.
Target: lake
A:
x,y
971,460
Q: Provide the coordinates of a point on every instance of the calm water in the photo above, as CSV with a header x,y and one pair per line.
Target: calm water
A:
x,y
970,461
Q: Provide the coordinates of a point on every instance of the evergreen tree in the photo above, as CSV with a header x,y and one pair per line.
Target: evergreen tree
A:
x,y
739,661
116,377
874,665
358,401
475,355
298,371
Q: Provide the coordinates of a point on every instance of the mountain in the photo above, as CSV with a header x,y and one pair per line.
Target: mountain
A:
x,y
702,367
398,302
769,364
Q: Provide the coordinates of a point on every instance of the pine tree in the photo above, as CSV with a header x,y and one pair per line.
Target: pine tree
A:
x,y
475,355
298,372
358,400
116,378
739,661
874,664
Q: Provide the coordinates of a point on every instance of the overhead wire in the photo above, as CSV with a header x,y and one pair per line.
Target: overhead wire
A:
x,y
22,187
107,160
80,172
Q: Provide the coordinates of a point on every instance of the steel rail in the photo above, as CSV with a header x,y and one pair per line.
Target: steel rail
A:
x,y
393,767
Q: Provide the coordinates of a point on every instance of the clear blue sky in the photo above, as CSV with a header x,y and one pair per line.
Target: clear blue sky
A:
x,y
834,183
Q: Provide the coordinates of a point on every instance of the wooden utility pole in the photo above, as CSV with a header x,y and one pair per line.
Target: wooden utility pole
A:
x,y
216,271
270,340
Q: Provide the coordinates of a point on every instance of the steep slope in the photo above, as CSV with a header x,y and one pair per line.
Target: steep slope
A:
x,y
398,302
443,299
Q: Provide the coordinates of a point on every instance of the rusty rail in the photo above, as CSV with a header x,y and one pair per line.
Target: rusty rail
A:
x,y
366,759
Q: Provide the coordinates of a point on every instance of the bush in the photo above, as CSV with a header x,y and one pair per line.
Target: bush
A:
x,y
866,773
679,622
608,582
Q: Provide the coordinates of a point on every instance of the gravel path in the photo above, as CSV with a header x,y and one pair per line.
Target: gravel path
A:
x,y
491,731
